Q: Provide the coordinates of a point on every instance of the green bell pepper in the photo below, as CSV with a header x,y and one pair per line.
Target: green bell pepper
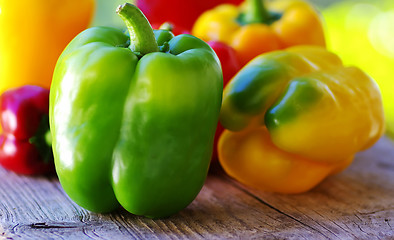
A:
x,y
133,118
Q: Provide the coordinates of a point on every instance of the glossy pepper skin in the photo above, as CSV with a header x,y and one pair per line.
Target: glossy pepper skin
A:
x,y
133,119
25,143
252,29
34,34
296,116
182,13
230,66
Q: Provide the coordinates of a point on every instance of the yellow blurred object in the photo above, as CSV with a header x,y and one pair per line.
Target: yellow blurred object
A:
x,y
362,32
32,36
296,116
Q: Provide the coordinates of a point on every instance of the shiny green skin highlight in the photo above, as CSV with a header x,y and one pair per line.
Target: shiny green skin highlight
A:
x,y
134,132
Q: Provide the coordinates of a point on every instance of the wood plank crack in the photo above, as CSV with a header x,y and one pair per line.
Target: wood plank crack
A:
x,y
388,223
56,225
276,209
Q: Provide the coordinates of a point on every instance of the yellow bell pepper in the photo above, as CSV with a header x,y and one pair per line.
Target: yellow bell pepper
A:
x,y
32,36
296,116
252,29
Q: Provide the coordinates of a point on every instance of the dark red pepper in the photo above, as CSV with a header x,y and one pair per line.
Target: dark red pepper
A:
x,y
228,60
230,66
182,13
25,143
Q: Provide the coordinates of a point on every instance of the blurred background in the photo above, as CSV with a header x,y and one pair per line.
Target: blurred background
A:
x,y
360,31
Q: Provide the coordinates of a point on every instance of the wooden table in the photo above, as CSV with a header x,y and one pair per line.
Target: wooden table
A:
x,y
355,204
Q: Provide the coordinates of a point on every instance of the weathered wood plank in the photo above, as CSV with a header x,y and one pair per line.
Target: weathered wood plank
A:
x,y
358,203
355,204
220,211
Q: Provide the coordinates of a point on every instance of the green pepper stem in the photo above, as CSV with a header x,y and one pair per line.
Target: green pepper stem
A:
x,y
256,12
142,38
48,138
42,139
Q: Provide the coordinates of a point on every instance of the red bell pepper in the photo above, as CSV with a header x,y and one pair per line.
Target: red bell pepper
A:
x,y
182,13
230,66
228,59
25,143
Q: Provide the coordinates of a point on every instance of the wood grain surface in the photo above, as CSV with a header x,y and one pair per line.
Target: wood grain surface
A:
x,y
355,204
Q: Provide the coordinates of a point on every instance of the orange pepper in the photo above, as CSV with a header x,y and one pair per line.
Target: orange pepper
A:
x,y
32,36
251,29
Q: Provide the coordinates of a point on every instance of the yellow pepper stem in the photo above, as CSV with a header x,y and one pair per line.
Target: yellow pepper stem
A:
x,y
256,12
